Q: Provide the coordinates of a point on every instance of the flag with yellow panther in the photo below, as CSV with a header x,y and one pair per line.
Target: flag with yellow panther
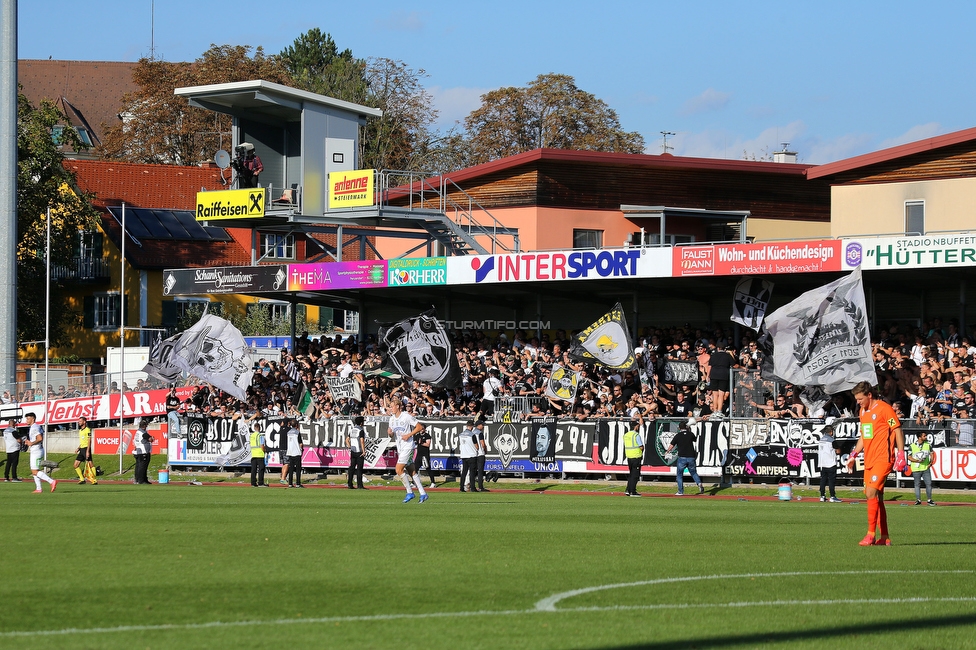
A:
x,y
606,342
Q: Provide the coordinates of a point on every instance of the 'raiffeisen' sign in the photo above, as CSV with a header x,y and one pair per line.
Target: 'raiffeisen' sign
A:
x,y
230,204
351,189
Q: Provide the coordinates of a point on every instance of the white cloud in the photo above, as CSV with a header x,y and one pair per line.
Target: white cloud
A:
x,y
918,132
454,104
721,144
822,151
403,21
710,100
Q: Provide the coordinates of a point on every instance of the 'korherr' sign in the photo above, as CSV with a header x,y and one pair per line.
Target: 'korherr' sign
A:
x,y
225,279
230,204
351,189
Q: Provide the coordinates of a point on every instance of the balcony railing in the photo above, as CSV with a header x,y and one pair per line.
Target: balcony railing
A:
x,y
83,269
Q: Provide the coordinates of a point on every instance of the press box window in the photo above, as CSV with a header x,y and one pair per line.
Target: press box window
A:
x,y
914,217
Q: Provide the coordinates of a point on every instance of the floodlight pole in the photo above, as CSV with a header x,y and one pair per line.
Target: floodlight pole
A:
x,y
122,347
47,334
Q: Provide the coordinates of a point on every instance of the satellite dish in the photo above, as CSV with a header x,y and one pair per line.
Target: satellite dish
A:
x,y
222,158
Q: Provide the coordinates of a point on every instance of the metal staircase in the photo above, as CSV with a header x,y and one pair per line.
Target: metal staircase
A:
x,y
448,213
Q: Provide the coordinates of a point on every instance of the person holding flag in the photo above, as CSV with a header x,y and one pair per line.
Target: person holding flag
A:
x,y
881,435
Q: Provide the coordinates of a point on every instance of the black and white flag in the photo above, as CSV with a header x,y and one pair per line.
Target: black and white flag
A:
x,y
562,383
822,339
750,301
420,349
606,342
214,351
160,363
683,373
346,387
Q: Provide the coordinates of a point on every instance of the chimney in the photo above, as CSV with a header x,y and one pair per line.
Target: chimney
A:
x,y
784,156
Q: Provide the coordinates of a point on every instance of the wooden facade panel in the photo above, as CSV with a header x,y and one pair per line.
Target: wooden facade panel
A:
x,y
958,161
602,187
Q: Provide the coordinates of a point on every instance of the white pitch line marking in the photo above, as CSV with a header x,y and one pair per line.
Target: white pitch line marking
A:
x,y
542,607
549,604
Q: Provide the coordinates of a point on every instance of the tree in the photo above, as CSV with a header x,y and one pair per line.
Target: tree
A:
x,y
395,140
316,65
159,127
43,182
551,112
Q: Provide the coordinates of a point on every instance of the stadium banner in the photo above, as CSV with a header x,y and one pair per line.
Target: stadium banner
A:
x,y
744,448
913,252
776,448
756,259
606,264
322,276
417,271
508,443
103,407
106,440
224,279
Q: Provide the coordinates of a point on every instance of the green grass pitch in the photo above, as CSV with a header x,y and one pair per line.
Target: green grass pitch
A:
x,y
176,566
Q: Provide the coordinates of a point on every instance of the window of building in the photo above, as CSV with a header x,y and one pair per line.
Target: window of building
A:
x,y
103,311
57,133
277,247
277,309
654,239
587,238
914,217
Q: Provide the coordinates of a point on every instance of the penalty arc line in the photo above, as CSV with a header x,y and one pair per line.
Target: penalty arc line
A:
x,y
162,627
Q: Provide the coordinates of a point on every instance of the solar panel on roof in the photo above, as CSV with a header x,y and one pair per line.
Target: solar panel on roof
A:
x,y
133,225
217,234
174,225
151,223
170,223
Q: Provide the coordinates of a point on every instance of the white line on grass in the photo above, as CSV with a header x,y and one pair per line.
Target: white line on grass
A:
x,y
541,607
549,604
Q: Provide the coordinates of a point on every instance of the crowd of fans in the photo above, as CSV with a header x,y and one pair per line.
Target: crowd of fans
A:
x,y
926,373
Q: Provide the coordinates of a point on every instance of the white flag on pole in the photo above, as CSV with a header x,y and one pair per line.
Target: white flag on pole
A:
x,y
750,301
214,351
822,338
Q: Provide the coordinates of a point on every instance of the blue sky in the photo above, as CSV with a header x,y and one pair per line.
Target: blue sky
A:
x,y
834,79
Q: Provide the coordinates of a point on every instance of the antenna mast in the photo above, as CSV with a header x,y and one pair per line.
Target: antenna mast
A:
x,y
665,148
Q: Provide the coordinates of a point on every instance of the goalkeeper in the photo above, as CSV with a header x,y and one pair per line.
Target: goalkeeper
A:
x,y
881,435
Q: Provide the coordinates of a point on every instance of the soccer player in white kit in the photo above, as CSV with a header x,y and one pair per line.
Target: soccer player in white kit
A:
x,y
403,428
35,443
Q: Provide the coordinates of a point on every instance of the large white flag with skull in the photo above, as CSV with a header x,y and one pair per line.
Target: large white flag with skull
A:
x,y
822,338
214,351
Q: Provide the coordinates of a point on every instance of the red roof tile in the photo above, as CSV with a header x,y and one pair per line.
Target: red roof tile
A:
x,y
156,187
94,88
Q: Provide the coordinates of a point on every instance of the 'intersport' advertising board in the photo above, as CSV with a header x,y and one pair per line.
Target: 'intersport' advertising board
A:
x,y
544,266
